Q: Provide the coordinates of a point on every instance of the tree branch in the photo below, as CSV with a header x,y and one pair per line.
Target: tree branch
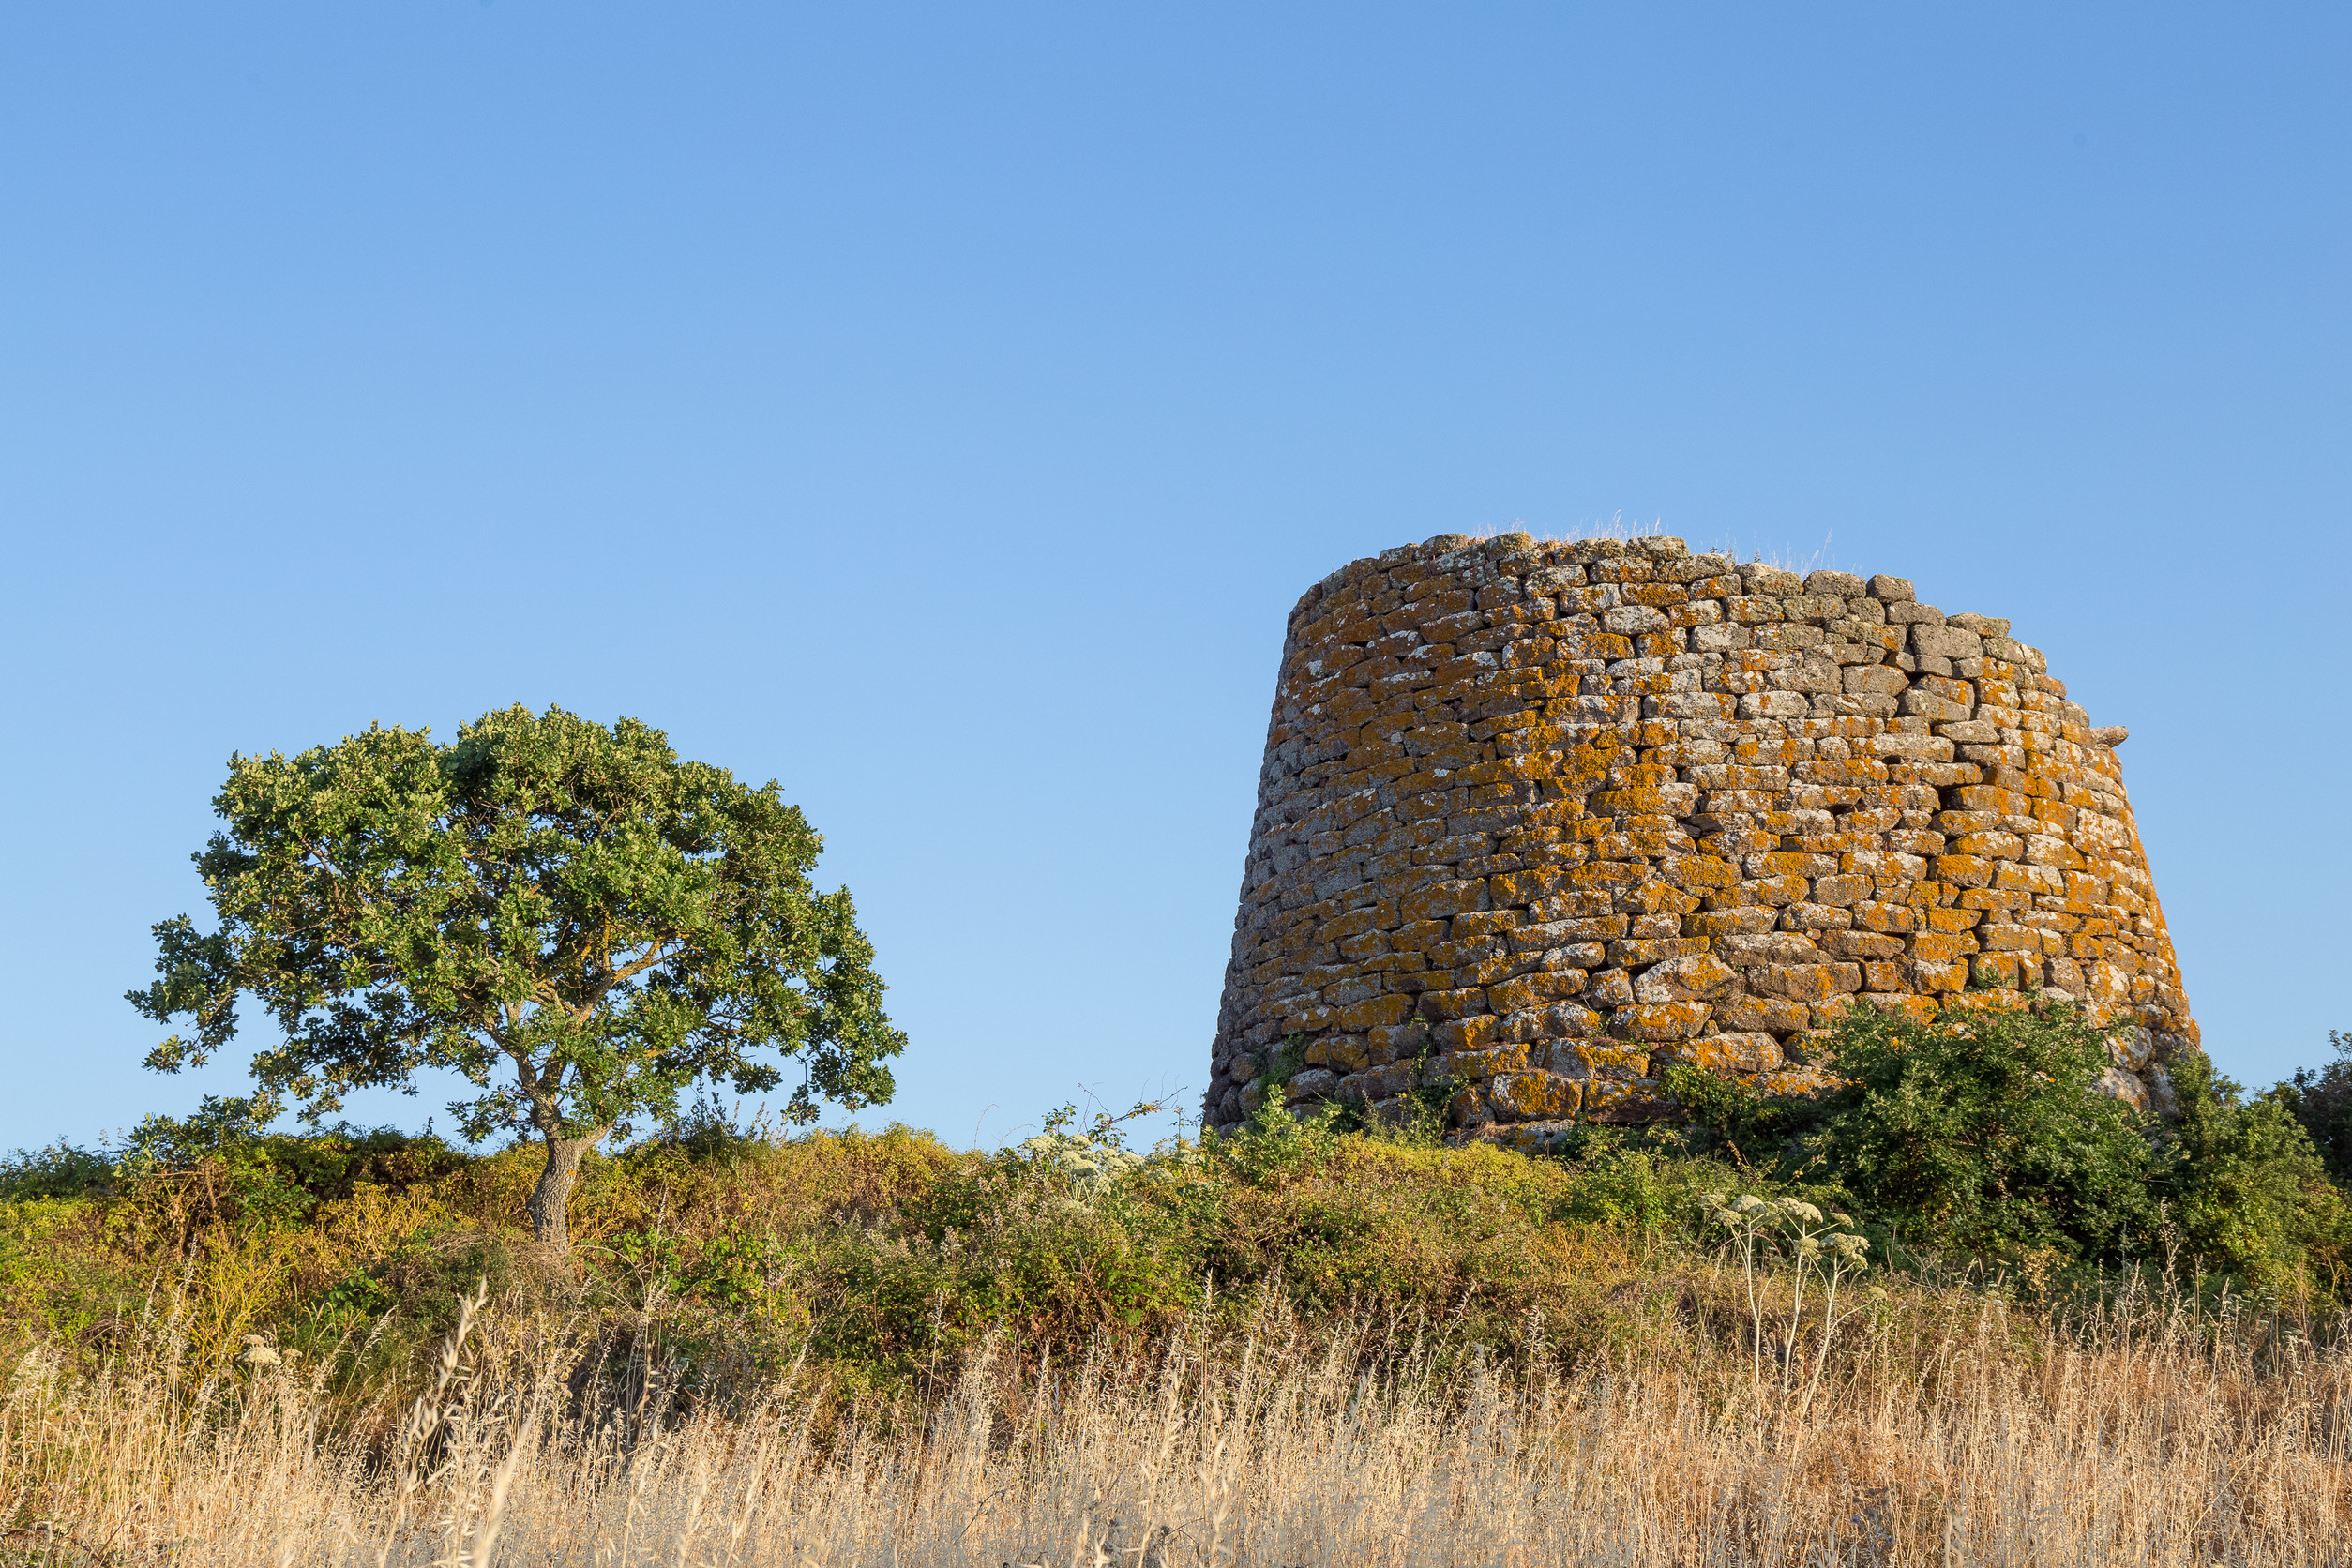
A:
x,y
658,955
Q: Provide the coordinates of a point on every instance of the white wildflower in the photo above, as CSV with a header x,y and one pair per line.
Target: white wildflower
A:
x,y
1096,1165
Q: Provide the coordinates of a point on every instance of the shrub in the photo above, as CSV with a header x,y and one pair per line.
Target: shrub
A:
x,y
2245,1185
60,1170
1982,1130
2321,1101
1979,1131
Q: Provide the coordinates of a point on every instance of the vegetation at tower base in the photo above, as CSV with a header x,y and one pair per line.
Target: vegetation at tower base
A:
x,y
563,908
1547,819
1976,1150
2321,1100
217,1337
1989,1133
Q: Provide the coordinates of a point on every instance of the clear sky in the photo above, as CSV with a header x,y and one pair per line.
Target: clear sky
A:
x,y
939,407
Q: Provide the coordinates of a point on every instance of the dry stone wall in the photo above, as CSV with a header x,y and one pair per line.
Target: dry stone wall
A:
x,y
1547,817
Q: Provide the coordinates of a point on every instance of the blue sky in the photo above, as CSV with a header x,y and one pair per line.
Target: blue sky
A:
x,y
938,409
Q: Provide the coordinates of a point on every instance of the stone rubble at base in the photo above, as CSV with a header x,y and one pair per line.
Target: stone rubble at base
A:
x,y
1547,817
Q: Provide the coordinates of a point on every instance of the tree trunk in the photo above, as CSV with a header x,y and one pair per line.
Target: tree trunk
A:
x,y
549,1226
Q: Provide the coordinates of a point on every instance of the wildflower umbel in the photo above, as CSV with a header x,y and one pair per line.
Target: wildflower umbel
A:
x,y
1815,1246
1096,1164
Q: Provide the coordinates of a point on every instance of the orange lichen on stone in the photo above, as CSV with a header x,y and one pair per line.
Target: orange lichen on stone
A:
x,y
1552,817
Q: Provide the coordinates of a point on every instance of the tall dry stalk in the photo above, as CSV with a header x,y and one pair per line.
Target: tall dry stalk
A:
x,y
425,1416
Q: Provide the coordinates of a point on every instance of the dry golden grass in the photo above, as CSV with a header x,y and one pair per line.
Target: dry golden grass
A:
x,y
1954,1429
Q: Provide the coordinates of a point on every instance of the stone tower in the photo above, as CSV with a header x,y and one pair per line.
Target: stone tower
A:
x,y
1551,816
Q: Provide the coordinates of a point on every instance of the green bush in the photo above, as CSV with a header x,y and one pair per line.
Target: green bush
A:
x,y
1976,1131
60,1170
1984,1133
2245,1187
2321,1101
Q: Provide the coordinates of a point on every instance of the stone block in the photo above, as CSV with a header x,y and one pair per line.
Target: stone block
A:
x,y
1747,950
1441,899
1984,625
1964,870
1658,1020
1398,1042
1468,1034
1774,1014
2118,1084
1694,975
1528,992
1610,989
1928,976
1883,679
1773,704
1748,1051
1533,1097
1314,1083
1362,1016
1811,607
1860,946
1346,1053
1911,1005
1634,954
1567,1021
1945,641
1600,1059
1454,1003
1806,982
1918,701
1643,1100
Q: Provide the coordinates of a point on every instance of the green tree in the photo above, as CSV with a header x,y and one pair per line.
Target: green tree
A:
x,y
2322,1102
564,908
2248,1190
1985,1130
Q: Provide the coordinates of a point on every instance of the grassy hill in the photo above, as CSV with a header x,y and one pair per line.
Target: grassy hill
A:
x,y
881,1257
1295,1345
1960,1309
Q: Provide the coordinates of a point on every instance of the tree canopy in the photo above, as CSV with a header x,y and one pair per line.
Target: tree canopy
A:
x,y
568,915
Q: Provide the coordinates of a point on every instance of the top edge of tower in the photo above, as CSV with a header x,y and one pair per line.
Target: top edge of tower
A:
x,y
1520,550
